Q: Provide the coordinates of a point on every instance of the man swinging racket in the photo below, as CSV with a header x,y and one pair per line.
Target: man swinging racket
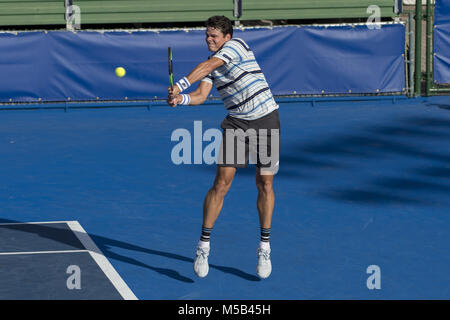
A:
x,y
252,110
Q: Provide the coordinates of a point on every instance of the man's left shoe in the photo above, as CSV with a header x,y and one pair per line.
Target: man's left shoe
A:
x,y
264,267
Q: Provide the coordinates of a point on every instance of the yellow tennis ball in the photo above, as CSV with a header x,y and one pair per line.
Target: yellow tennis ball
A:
x,y
120,72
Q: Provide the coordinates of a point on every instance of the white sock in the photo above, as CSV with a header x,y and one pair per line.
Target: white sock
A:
x,y
265,245
203,244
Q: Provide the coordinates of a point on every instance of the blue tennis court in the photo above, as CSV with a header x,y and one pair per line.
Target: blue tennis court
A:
x,y
361,183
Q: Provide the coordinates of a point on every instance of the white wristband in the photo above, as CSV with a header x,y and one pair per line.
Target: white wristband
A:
x,y
183,84
186,99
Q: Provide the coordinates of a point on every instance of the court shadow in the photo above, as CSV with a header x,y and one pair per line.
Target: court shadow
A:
x,y
236,272
428,121
355,146
371,197
411,184
439,172
439,105
409,139
105,244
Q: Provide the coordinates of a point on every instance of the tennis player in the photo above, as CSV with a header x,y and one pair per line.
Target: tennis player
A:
x,y
252,110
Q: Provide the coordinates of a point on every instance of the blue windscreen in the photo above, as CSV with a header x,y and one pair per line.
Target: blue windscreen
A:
x,y
62,65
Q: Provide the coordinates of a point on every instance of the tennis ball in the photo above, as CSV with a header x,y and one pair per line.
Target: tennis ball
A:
x,y
120,72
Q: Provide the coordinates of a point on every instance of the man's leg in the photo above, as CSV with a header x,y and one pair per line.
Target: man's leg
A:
x,y
211,208
266,198
214,198
265,205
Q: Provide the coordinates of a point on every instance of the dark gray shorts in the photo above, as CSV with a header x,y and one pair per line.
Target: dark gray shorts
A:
x,y
250,141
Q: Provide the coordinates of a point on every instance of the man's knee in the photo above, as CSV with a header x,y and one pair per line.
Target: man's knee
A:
x,y
221,187
223,181
264,184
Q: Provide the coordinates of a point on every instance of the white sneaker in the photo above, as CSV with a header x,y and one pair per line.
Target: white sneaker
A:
x,y
201,266
264,267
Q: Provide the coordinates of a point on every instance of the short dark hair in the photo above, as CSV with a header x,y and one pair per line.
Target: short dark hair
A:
x,y
221,23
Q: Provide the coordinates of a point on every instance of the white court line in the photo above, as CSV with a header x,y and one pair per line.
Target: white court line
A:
x,y
39,252
101,260
45,222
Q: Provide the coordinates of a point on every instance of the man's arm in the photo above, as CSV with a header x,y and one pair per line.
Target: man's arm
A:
x,y
203,69
197,74
201,93
196,97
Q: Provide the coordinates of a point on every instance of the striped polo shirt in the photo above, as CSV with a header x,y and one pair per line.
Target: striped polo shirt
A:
x,y
241,83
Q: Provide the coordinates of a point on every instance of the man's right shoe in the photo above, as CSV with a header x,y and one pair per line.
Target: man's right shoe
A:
x,y
201,266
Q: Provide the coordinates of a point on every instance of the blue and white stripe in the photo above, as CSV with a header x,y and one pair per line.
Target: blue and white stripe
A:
x,y
241,83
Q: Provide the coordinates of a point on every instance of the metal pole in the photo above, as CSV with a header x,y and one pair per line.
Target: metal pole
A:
x,y
428,58
411,56
237,11
418,50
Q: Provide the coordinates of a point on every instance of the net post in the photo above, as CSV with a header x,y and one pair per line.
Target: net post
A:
x,y
418,49
411,56
428,49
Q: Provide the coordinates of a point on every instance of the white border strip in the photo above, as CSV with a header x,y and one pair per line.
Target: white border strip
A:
x,y
241,28
101,260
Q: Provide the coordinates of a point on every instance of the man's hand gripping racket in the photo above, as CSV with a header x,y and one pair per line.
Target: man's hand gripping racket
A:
x,y
172,101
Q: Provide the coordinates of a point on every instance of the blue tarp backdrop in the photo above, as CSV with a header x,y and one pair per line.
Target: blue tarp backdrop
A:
x,y
62,66
441,61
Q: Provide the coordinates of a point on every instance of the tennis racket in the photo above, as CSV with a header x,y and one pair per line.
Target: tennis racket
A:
x,y
170,68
